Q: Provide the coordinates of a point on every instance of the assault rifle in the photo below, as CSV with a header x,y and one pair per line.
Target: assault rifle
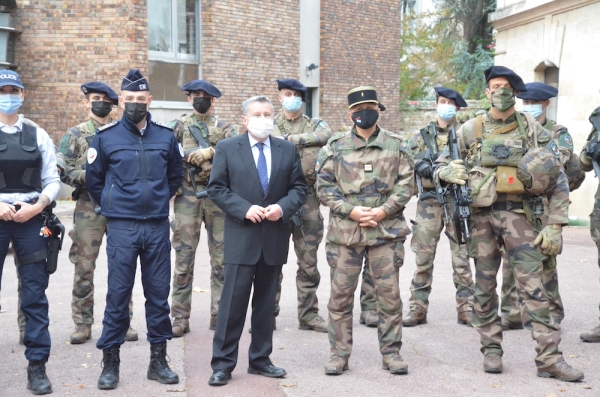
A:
x,y
595,120
201,139
461,203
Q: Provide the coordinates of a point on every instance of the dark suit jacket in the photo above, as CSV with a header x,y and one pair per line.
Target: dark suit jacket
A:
x,y
234,186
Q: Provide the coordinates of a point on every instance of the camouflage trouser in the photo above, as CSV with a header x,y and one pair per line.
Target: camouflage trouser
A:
x,y
384,262
307,276
509,301
490,231
426,235
187,221
595,227
368,293
87,233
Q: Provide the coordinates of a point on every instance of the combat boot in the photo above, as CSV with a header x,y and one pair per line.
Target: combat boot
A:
x,y
415,317
159,368
562,371
180,326
395,364
464,318
131,335
109,379
592,336
37,381
213,323
336,365
82,334
508,325
317,324
492,363
370,319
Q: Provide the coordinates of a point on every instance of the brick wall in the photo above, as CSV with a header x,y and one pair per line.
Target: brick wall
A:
x,y
246,45
65,43
360,45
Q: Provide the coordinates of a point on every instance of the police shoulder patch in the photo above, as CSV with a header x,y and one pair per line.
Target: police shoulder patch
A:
x,y
107,126
92,155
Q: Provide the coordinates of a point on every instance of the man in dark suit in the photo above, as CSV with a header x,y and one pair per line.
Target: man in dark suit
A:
x,y
257,180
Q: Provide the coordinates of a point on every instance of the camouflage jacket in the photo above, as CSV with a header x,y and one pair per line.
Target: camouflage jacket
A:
x,y
416,144
217,130
74,145
376,174
469,149
309,135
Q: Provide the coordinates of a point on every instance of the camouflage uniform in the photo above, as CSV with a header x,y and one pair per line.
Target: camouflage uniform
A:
x,y
375,174
509,302
309,136
429,223
189,215
88,228
585,162
505,223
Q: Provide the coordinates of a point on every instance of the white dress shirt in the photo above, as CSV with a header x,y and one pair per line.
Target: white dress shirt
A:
x,y
50,178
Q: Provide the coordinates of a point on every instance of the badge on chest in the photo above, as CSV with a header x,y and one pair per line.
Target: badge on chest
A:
x,y
368,167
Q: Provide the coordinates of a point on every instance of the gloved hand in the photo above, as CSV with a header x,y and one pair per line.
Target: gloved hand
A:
x,y
455,172
424,169
551,239
201,155
593,151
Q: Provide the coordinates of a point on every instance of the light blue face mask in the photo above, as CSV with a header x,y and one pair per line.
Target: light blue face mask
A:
x,y
535,109
10,103
446,112
292,103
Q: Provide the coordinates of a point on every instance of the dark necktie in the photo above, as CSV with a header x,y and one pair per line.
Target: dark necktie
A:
x,y
261,167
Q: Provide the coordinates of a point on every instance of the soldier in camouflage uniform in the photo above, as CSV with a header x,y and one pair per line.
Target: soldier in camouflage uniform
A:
x,y
589,160
535,101
198,134
365,177
493,147
309,135
430,217
88,228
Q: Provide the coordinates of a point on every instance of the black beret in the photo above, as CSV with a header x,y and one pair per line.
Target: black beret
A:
x,y
100,88
202,85
516,82
292,85
451,94
134,81
538,92
362,94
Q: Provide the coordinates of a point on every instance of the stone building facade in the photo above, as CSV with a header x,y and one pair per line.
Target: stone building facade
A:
x,y
556,42
240,46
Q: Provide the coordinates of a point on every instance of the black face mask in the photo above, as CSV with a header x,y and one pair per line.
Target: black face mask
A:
x,y
101,108
136,112
365,118
201,104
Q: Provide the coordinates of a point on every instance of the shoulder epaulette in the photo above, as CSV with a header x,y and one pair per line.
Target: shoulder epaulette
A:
x,y
392,134
107,126
338,135
161,124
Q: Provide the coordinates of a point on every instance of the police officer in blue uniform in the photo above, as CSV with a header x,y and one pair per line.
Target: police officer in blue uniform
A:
x,y
29,182
134,168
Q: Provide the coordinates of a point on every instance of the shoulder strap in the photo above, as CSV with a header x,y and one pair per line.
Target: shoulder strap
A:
x,y
29,138
479,128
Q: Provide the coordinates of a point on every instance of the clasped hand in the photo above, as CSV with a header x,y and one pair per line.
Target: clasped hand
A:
x,y
366,216
256,213
26,212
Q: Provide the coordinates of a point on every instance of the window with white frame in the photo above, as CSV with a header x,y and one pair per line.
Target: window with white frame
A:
x,y
173,46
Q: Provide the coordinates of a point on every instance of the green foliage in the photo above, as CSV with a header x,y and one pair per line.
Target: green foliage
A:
x,y
468,69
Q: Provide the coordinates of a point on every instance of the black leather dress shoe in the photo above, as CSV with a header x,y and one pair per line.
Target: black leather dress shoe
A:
x,y
219,378
269,371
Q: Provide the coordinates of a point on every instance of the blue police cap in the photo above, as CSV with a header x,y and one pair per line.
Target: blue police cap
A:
x,y
451,94
135,81
100,88
202,85
538,92
516,82
292,85
9,77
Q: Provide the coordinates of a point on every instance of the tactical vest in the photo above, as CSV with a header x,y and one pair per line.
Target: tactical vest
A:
x,y
204,134
20,161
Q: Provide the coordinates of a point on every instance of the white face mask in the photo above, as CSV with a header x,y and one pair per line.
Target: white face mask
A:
x,y
535,109
260,127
